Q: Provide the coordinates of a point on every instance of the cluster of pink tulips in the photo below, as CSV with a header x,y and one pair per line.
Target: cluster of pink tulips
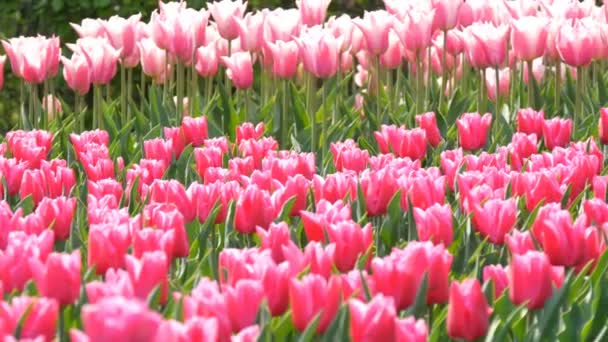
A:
x,y
124,223
246,186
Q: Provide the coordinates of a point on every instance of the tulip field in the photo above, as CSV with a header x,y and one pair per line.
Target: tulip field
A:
x,y
431,170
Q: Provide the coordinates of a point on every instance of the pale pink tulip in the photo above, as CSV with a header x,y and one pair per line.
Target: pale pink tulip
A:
x,y
416,29
284,58
239,69
575,43
207,60
251,31
77,73
312,12
225,13
153,60
529,37
89,28
504,82
375,27
282,25
121,33
446,13
100,55
320,53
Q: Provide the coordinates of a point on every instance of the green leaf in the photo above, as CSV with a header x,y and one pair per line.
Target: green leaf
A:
x,y
154,297
311,329
286,210
418,307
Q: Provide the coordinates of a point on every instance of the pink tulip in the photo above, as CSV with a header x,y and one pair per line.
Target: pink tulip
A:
x,y
492,40
529,37
556,132
352,242
434,224
122,34
52,106
473,130
225,14
59,278
35,318
2,61
77,73
282,24
410,329
100,56
312,295
428,123
342,27
33,58
251,31
603,126
519,242
575,43
242,302
375,27
89,28
253,208
312,12
530,121
531,279
107,246
416,30
468,311
498,275
153,60
147,273
392,57
504,84
57,214
239,69
284,58
446,13
207,60
320,52
495,218
374,321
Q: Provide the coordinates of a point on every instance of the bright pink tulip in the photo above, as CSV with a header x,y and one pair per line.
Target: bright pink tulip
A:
x,y
446,13
153,60
373,321
375,27
473,130
352,242
205,329
147,273
378,187
530,121
495,218
603,126
348,156
242,302
498,275
326,213
531,279
575,43
434,224
35,318
116,284
101,57
59,278
519,242
251,31
108,245
468,311
318,259
428,123
529,37
15,270
561,240
2,61
407,267
239,69
133,321
423,191
313,294
521,147
57,214
416,30
411,330
253,208
556,132
312,12
284,58
225,14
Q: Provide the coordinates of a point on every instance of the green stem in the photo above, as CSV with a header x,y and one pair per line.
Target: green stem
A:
x,y
22,103
247,108
378,92
389,92
31,104
194,86
142,89
37,107
483,92
444,69
61,326
531,95
123,95
78,111
208,89
579,91
419,83
129,92
313,115
180,92
497,94
284,125
165,83
325,141
429,79
45,112
558,84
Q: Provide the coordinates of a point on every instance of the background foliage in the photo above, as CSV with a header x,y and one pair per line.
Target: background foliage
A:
x,y
48,17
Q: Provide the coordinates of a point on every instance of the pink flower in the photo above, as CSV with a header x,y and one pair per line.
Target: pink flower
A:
x,y
575,43
446,13
504,80
101,57
529,37
207,60
473,130
225,13
416,29
492,40
59,277
251,31
77,73
312,12
284,58
122,34
320,52
239,69
375,27
153,60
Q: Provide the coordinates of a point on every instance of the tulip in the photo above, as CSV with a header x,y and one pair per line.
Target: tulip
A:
x,y
530,279
296,186
281,24
206,329
575,43
556,132
239,69
498,275
207,60
15,270
147,273
530,121
225,13
348,156
410,329
248,131
89,28
416,30
107,246
243,301
284,58
2,61
312,12
320,53
276,287
374,321
122,34
274,239
561,240
251,31
446,13
153,60
378,187
172,193
33,58
519,242
352,242
312,295
51,105
603,126
77,73
428,123
132,321
468,311
434,224
495,218
473,130
253,208
423,191
529,37
59,278
57,214
375,27
100,56
32,318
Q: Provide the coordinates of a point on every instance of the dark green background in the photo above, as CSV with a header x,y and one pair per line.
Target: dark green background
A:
x,y
47,17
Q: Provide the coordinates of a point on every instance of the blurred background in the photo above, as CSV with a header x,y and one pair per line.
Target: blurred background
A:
x,y
48,17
